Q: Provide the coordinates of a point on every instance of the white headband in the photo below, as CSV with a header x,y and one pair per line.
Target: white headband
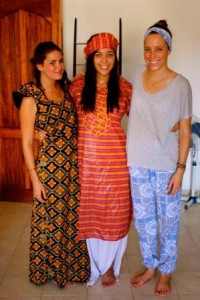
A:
x,y
166,36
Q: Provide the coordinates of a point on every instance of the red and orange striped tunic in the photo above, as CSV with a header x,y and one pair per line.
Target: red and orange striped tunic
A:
x,y
105,203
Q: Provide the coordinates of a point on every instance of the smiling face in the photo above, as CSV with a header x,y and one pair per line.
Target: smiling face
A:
x,y
53,66
104,60
155,52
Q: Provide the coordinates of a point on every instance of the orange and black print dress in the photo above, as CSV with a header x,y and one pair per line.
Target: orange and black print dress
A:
x,y
55,250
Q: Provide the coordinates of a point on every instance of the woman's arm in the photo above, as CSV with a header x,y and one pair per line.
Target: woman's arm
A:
x,y
184,146
27,120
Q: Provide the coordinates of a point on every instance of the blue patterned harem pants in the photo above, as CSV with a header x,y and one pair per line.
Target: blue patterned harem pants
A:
x,y
156,217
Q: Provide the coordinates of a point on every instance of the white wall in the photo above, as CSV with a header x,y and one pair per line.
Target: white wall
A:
x,y
183,17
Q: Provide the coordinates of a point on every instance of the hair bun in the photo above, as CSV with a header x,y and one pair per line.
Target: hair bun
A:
x,y
162,23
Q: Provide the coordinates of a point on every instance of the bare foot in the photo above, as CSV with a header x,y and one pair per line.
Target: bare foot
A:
x,y
163,287
108,278
143,277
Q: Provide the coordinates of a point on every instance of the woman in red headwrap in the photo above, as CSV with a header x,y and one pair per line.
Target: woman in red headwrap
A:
x,y
102,98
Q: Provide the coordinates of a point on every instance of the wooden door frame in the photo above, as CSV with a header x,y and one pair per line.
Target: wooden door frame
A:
x,y
53,15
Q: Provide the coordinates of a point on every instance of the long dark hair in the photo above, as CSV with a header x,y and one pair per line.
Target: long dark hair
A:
x,y
89,90
40,53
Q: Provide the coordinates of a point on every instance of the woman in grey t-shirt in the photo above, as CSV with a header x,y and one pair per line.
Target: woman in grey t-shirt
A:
x,y
157,148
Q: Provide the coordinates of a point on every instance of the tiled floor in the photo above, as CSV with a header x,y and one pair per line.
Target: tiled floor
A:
x,y
14,283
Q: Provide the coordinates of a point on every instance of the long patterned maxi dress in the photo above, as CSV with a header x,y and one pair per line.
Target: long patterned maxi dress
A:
x,y
105,203
55,250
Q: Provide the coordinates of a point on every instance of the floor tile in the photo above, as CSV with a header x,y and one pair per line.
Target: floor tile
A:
x,y
187,246
111,297
15,286
134,264
18,264
1,278
189,262
189,297
20,298
121,288
78,290
63,298
22,247
15,221
4,262
191,216
187,282
194,232
8,246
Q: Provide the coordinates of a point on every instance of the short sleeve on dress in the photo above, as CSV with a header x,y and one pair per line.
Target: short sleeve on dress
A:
x,y
17,97
186,100
25,90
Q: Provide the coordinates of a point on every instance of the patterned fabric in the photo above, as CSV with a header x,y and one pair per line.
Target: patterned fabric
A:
x,y
156,216
100,41
105,203
55,250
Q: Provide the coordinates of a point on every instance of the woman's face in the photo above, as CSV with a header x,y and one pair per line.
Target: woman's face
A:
x,y
104,60
155,52
53,65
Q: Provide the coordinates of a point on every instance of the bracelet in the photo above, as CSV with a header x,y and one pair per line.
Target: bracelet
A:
x,y
32,169
182,166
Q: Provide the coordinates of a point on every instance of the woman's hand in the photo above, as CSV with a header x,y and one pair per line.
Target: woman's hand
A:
x,y
39,190
175,182
184,127
39,135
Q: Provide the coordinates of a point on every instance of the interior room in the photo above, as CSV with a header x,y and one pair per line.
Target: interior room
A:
x,y
22,25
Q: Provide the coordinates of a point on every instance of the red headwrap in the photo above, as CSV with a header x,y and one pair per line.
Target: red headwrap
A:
x,y
100,41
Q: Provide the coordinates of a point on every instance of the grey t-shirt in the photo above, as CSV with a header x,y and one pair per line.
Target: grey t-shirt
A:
x,y
150,142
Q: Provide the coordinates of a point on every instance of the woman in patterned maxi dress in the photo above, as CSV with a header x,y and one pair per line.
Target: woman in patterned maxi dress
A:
x,y
105,204
55,250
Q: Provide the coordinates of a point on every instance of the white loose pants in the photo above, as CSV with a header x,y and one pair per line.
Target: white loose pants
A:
x,y
103,255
